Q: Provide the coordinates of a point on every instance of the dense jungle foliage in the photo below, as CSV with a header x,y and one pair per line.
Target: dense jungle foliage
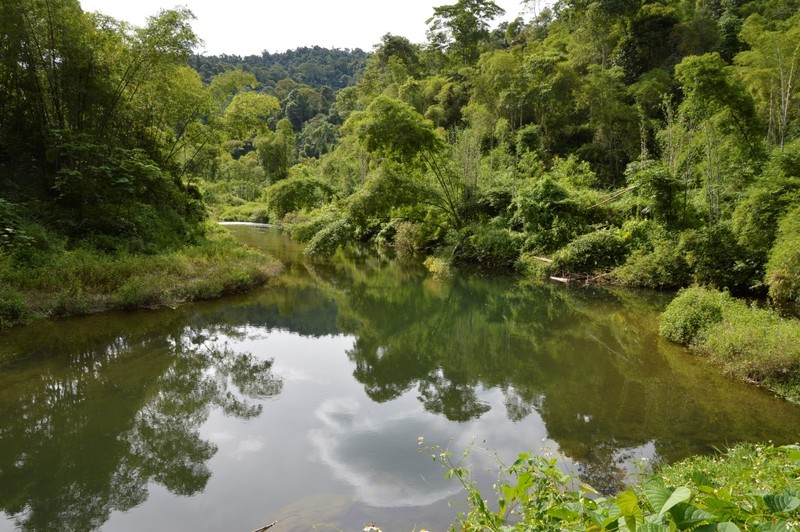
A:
x,y
651,144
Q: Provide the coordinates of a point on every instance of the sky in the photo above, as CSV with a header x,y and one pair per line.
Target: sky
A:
x,y
247,27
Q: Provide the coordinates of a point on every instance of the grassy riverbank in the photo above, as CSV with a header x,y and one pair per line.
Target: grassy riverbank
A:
x,y
59,283
749,487
752,344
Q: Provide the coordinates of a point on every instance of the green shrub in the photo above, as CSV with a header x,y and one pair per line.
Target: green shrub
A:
x,y
408,238
438,266
664,266
13,308
303,228
688,316
489,246
545,210
593,252
783,267
255,212
325,243
296,193
754,345
717,259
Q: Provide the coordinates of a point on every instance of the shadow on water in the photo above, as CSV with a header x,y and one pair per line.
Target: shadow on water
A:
x,y
96,411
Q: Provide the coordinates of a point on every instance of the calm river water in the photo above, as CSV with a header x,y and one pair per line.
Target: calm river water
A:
x,y
304,402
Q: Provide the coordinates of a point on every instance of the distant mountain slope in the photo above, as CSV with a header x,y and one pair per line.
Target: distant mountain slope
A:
x,y
316,67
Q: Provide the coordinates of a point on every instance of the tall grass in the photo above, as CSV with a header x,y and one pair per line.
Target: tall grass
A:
x,y
83,281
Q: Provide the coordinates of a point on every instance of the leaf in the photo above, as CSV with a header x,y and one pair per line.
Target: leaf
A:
x,y
586,488
628,502
719,506
656,494
777,526
564,514
687,515
661,499
781,503
727,526
681,494
653,527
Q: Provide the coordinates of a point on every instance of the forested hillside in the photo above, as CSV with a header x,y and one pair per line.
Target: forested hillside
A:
x,y
643,143
316,67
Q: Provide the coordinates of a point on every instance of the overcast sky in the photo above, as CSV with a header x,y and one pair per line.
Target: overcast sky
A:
x,y
245,27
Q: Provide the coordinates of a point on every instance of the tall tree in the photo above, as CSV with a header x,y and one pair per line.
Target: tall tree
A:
x,y
462,27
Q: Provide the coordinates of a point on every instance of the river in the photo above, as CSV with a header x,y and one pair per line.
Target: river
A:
x,y
304,402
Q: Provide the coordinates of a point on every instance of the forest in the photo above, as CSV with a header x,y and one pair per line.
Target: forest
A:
x,y
649,144
642,143
645,144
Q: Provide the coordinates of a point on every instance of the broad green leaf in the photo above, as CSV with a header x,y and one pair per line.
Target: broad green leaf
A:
x,y
586,488
687,515
727,526
681,494
781,503
719,507
700,479
656,494
653,527
628,502
563,513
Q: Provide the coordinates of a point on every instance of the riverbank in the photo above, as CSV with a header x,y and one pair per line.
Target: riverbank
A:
x,y
748,487
85,281
754,345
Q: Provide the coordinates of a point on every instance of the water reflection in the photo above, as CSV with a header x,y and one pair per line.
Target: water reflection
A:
x,y
88,435
589,362
369,354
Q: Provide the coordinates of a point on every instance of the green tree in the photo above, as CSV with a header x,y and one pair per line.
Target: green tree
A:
x,y
771,68
462,27
393,130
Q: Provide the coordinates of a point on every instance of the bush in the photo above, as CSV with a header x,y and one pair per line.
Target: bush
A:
x,y
489,246
783,267
545,210
303,228
690,314
13,308
329,238
589,253
296,193
255,212
662,267
438,267
718,260
755,345
408,238
751,488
